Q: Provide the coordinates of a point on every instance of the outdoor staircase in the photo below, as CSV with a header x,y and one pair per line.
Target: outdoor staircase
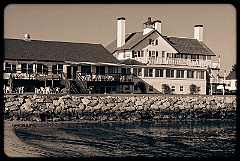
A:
x,y
78,85
81,83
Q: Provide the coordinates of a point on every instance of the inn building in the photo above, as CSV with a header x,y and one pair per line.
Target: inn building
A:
x,y
165,64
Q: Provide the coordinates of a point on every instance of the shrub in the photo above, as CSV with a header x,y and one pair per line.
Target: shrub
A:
x,y
194,89
166,89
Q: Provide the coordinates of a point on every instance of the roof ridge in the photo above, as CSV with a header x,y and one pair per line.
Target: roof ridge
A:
x,y
180,37
56,41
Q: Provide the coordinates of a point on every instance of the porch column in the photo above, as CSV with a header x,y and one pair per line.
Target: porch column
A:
x,y
164,73
34,68
223,89
132,88
65,68
154,72
211,89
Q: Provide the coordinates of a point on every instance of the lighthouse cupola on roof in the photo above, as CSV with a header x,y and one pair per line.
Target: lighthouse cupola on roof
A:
x,y
148,26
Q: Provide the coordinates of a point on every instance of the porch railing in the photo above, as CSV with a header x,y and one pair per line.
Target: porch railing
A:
x,y
174,61
118,77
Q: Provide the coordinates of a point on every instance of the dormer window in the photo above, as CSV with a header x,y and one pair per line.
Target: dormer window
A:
x,y
150,41
153,42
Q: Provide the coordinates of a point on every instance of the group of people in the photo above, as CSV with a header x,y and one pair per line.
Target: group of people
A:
x,y
10,89
47,90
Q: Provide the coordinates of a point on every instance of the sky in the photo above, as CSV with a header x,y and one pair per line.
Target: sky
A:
x,y
97,23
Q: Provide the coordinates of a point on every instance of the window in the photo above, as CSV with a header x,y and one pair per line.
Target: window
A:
x,y
137,54
153,53
208,57
139,72
200,75
60,68
24,68
150,41
169,55
190,74
142,53
128,70
158,72
150,53
153,42
85,70
194,57
112,69
54,69
169,73
45,69
30,68
57,68
100,70
201,57
180,73
185,56
39,68
135,71
14,68
178,55
173,88
163,54
150,88
181,88
204,57
8,68
156,53
148,72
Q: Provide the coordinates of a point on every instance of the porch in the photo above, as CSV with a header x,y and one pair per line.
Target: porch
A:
x,y
174,61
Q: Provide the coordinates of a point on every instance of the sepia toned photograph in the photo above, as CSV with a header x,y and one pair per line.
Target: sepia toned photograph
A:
x,y
119,80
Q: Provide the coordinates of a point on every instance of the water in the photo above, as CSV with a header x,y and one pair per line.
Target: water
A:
x,y
163,139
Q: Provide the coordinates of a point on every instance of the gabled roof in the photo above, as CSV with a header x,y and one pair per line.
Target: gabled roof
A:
x,y
182,45
131,62
189,46
231,75
18,49
130,41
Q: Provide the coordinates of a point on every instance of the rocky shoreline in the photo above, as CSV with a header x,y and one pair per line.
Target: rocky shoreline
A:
x,y
117,108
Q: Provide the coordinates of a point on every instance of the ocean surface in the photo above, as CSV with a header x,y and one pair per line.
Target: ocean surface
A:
x,y
209,138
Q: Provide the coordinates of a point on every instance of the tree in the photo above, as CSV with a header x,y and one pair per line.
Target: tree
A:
x,y
193,89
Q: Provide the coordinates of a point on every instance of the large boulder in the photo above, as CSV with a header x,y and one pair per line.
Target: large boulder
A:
x,y
85,101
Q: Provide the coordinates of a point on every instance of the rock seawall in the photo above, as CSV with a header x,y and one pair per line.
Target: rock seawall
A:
x,y
117,108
